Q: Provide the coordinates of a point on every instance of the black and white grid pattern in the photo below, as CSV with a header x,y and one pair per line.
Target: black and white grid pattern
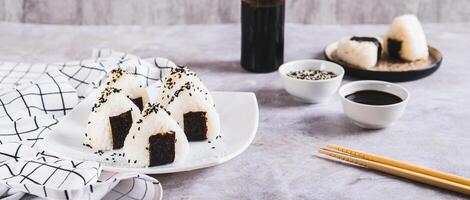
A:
x,y
86,75
33,98
29,172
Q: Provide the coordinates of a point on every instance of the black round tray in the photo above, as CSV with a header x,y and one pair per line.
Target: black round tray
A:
x,y
392,76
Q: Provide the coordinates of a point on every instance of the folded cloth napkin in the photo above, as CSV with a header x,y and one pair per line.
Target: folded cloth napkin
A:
x,y
33,99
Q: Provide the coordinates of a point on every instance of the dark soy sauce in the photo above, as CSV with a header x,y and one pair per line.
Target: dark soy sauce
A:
x,y
262,35
374,97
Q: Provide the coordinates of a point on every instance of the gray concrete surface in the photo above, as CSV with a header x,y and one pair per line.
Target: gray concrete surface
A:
x,y
282,163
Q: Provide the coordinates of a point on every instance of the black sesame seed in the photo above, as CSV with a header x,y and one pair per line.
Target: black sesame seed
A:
x,y
311,75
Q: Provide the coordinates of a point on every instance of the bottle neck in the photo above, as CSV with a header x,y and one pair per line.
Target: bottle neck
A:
x,y
264,3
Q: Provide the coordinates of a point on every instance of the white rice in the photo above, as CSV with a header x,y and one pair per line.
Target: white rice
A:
x,y
131,85
361,54
195,103
136,145
98,130
182,93
407,29
176,79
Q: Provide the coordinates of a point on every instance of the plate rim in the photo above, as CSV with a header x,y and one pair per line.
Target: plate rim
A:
x,y
147,170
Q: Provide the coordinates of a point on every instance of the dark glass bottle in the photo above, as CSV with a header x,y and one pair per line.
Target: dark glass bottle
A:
x,y
262,35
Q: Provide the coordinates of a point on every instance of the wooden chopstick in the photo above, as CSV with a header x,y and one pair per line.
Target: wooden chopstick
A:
x,y
419,177
403,165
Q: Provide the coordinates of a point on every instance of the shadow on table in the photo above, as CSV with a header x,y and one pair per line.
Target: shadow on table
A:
x,y
333,125
218,66
386,177
312,119
181,177
319,55
277,98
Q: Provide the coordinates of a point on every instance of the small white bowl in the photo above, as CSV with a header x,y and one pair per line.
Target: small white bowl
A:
x,y
311,91
373,116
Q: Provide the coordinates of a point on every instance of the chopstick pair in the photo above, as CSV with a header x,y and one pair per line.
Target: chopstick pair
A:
x,y
401,169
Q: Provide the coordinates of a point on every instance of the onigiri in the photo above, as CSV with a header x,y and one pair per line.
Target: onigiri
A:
x,y
155,139
110,120
405,40
131,85
190,104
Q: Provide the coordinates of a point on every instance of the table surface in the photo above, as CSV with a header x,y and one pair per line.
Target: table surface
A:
x,y
282,162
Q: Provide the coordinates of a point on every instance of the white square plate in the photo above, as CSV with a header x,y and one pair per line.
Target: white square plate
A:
x,y
238,117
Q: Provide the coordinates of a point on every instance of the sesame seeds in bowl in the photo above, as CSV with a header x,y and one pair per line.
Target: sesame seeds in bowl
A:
x,y
309,74
311,81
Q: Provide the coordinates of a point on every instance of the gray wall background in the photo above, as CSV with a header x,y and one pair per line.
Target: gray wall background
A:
x,y
167,12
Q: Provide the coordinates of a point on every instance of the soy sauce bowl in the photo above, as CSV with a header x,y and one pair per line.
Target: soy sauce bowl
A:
x,y
311,91
373,116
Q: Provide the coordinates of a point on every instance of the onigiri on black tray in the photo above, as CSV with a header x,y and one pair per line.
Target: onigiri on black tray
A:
x,y
403,54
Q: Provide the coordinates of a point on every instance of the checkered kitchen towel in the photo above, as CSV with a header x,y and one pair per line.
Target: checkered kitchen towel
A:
x,y
33,98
